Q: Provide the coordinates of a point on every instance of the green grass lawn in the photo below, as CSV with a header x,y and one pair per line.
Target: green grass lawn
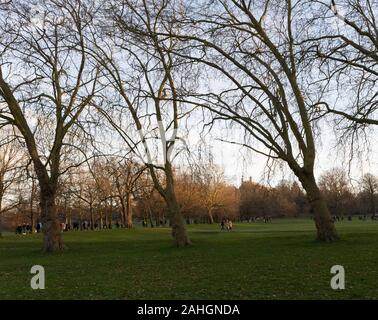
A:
x,y
280,260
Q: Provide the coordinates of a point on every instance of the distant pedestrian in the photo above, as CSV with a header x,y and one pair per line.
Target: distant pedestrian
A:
x,y
19,229
222,224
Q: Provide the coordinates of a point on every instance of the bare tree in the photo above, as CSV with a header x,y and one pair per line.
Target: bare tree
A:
x,y
348,48
86,189
336,190
370,186
10,174
210,180
124,176
264,85
145,85
46,81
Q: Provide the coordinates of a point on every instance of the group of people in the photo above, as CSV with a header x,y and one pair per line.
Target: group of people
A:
x,y
226,224
26,228
349,218
85,225
265,219
160,223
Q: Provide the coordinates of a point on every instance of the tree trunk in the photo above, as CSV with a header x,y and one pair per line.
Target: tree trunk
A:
x,y
80,219
129,212
123,213
210,214
32,222
101,224
52,235
372,201
325,227
179,233
92,216
32,217
111,212
106,215
70,219
150,217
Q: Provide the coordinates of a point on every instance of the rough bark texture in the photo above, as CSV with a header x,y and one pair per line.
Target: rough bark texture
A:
x,y
179,233
325,227
52,235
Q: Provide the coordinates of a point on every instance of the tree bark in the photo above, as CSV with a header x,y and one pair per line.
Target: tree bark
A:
x,y
179,233
52,236
324,224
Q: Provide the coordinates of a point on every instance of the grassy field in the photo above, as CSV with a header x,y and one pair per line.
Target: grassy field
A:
x,y
255,261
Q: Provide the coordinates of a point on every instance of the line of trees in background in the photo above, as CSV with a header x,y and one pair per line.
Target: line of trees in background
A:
x,y
118,192
76,73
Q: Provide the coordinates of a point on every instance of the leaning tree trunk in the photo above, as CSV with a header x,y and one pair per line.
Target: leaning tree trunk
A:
x,y
179,233
325,226
52,235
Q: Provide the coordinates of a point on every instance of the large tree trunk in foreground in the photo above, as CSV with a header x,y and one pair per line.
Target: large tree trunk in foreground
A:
x,y
52,235
179,233
325,226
